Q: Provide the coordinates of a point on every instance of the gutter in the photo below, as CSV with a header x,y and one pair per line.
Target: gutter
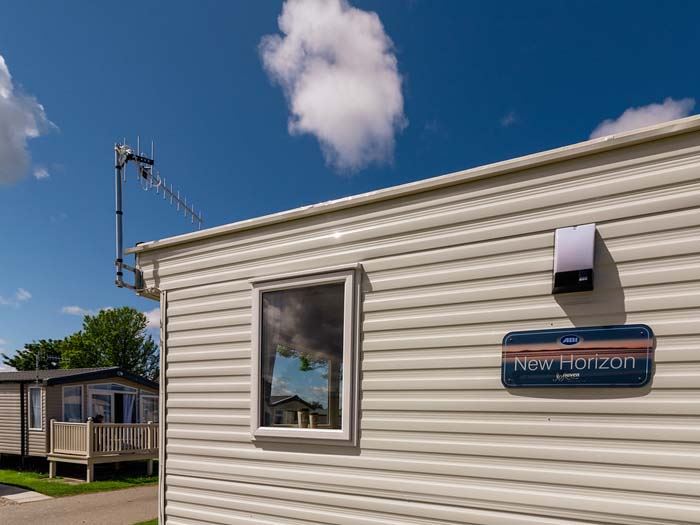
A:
x,y
582,149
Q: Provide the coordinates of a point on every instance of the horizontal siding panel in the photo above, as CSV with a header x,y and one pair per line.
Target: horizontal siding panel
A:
x,y
657,201
320,512
586,401
289,497
184,433
645,273
667,298
10,419
418,488
208,384
629,228
456,468
203,305
575,197
198,322
213,368
622,452
664,428
546,176
206,417
686,322
208,337
208,400
215,352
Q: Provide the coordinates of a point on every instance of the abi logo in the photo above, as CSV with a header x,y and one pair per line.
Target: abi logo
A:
x,y
570,340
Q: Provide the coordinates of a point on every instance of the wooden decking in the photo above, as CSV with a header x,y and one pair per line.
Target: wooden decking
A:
x,y
90,443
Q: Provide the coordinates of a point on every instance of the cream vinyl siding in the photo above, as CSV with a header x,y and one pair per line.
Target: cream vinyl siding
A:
x,y
446,274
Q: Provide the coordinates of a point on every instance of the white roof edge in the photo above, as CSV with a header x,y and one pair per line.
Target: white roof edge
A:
x,y
589,147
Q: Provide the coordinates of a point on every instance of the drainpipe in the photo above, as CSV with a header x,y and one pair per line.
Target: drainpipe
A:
x,y
22,423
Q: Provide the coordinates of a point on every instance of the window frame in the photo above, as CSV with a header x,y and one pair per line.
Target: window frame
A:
x,y
147,395
41,409
63,401
347,433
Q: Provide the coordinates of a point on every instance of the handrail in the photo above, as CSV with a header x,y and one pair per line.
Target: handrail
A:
x,y
101,439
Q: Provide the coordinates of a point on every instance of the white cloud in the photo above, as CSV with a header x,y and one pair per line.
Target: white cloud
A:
x,y
20,296
21,118
41,173
340,75
153,318
508,119
3,341
643,116
5,368
76,310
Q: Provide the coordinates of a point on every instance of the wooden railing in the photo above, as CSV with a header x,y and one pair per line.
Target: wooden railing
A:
x,y
68,438
103,439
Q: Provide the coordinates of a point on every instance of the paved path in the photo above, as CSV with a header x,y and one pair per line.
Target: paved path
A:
x,y
119,507
20,495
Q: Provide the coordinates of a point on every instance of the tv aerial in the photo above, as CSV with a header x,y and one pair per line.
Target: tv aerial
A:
x,y
149,180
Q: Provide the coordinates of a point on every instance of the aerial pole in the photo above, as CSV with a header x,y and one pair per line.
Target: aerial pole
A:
x,y
123,154
119,261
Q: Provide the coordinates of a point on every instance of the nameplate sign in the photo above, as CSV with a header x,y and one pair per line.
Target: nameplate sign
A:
x,y
605,356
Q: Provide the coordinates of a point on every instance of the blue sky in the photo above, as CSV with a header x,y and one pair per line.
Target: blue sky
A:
x,y
477,82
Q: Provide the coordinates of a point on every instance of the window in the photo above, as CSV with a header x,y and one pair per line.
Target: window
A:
x,y
73,404
304,360
101,407
149,408
35,408
112,403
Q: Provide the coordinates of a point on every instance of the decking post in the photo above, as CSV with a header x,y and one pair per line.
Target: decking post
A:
x,y
90,475
149,436
51,437
52,469
149,468
88,438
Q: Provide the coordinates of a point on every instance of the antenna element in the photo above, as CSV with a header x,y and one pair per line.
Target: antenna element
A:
x,y
123,154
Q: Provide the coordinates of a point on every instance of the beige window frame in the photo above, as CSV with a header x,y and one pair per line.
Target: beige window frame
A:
x,y
31,404
347,432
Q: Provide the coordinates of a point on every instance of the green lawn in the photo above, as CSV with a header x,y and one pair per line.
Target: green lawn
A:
x,y
40,482
150,522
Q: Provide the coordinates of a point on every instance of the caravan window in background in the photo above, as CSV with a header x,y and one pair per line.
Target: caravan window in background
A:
x,y
73,404
305,357
35,408
149,408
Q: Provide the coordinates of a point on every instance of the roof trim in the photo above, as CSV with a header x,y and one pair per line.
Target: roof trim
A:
x,y
589,147
107,373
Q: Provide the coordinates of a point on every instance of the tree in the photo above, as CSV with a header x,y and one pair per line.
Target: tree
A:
x,y
115,337
48,350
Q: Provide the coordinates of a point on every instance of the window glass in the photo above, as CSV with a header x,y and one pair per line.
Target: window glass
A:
x,y
149,409
35,408
101,405
302,356
73,404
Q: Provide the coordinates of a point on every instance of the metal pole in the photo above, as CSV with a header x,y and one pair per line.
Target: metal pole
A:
x,y
118,262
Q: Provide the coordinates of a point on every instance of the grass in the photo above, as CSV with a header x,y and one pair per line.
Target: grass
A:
x,y
40,482
149,522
